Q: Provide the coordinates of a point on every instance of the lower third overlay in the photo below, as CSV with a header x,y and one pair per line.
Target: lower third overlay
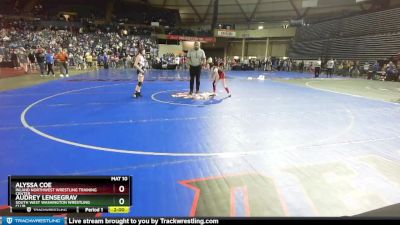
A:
x,y
20,220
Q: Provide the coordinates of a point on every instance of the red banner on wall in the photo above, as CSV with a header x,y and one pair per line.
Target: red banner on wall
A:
x,y
187,38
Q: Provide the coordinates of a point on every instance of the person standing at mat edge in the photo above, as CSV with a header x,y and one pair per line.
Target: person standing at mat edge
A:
x,y
62,58
317,69
329,66
140,62
196,58
40,59
50,62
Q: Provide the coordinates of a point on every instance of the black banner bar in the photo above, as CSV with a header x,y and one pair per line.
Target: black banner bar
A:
x,y
68,179
85,210
218,221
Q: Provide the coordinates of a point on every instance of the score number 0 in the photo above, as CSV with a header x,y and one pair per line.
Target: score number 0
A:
x,y
121,189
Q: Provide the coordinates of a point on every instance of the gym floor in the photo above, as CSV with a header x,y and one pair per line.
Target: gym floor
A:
x,y
289,145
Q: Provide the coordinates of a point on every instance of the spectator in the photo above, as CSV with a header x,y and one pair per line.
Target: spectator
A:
x,y
14,59
105,61
375,69
94,61
301,66
23,59
71,59
391,72
317,69
354,71
89,60
329,66
210,62
50,62
311,67
15,34
40,59
99,60
113,61
366,67
62,58
32,60
129,61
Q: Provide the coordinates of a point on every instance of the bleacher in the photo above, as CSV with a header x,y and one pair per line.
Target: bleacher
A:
x,y
188,32
368,24
364,48
364,38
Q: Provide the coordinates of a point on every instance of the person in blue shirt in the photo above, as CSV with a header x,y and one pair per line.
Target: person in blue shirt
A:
x,y
50,62
375,70
105,61
99,60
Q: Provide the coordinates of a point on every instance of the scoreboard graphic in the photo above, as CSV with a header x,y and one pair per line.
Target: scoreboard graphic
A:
x,y
67,194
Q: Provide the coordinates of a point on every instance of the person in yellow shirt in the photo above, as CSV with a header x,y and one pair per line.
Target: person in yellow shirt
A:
x,y
89,60
95,61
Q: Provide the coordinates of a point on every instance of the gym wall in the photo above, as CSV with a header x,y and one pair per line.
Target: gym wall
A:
x,y
164,49
257,48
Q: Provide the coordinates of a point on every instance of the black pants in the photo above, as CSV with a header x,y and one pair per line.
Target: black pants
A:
x,y
65,66
317,71
50,68
42,67
370,76
15,63
195,73
329,72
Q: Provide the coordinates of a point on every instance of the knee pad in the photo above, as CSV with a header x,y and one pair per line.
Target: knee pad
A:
x,y
140,84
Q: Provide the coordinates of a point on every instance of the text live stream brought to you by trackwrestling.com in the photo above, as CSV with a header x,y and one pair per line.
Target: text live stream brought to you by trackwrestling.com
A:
x,y
21,220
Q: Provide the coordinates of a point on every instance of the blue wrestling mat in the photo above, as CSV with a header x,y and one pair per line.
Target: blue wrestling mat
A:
x,y
272,149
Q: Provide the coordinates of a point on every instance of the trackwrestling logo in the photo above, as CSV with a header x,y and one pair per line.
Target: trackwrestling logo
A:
x,y
34,220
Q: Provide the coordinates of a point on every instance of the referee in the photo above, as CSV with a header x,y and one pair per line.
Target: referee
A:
x,y
196,58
